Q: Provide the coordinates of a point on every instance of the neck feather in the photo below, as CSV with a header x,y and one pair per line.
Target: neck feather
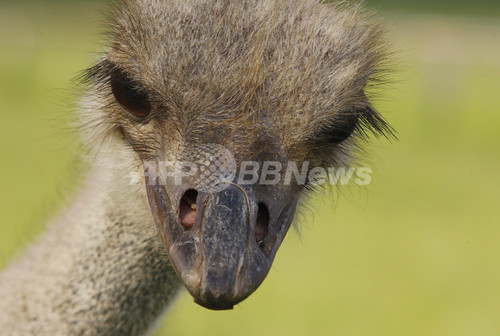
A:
x,y
100,269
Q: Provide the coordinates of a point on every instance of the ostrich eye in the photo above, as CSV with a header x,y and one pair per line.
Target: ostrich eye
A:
x,y
129,95
339,130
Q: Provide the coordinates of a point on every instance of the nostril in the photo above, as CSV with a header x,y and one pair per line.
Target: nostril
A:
x,y
262,224
187,209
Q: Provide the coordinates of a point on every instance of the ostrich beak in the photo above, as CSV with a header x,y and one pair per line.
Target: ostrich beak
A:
x,y
222,244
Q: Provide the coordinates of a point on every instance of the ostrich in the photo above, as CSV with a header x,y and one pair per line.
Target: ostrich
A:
x,y
269,80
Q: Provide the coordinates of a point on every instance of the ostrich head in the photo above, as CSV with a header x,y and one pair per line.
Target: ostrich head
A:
x,y
268,81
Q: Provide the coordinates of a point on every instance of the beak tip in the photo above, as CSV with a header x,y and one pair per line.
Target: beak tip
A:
x,y
214,305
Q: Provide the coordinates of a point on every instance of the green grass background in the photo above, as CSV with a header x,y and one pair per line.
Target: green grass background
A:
x,y
414,253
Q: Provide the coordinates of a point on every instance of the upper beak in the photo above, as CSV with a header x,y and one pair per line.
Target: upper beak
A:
x,y
224,246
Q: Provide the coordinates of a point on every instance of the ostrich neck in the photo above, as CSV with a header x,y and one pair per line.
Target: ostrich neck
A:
x,y
99,270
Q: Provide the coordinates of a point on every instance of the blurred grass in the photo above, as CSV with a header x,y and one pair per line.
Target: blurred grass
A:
x,y
461,7
414,253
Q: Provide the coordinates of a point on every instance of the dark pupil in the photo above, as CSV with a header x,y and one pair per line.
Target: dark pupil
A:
x,y
129,96
340,130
